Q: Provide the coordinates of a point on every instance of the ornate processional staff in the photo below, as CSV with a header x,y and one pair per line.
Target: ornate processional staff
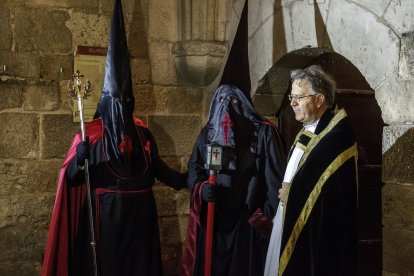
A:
x,y
79,92
214,163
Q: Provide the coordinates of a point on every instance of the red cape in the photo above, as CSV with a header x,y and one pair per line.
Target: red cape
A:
x,y
193,222
65,217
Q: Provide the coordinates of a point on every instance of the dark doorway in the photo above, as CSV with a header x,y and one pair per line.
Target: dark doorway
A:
x,y
358,99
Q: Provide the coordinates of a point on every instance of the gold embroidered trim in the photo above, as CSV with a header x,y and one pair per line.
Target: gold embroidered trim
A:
x,y
313,197
306,132
315,139
301,146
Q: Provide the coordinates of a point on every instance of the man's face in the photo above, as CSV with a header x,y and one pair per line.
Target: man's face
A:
x,y
307,109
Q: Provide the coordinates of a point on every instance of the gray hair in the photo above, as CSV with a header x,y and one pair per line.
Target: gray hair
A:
x,y
320,81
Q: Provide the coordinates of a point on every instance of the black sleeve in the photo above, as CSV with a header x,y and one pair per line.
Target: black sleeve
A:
x,y
273,169
74,175
196,171
163,172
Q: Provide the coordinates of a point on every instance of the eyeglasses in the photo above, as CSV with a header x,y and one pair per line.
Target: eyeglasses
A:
x,y
299,98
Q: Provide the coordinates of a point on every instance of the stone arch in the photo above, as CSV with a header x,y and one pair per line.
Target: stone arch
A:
x,y
353,93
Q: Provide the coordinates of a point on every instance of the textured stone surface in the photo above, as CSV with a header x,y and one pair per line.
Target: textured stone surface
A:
x,y
173,230
57,133
395,95
305,30
166,200
21,250
42,30
175,135
170,202
5,28
66,103
198,62
388,273
202,21
41,97
137,33
398,251
28,176
174,162
11,95
396,100
398,206
21,64
183,204
377,6
182,100
280,37
398,154
56,67
358,47
21,267
391,134
171,260
19,135
398,230
147,101
140,69
264,25
162,64
88,29
267,105
136,24
400,14
129,7
25,209
407,56
90,5
163,22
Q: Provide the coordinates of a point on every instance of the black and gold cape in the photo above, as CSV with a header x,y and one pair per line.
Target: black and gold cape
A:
x,y
320,220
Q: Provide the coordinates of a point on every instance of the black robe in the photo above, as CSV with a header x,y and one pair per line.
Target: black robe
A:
x,y
248,198
125,213
320,222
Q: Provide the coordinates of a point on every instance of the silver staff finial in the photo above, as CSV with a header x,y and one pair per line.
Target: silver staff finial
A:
x,y
76,89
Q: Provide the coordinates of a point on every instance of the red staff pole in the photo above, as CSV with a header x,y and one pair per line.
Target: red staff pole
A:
x,y
209,229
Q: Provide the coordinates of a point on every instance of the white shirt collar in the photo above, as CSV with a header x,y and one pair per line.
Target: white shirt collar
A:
x,y
311,126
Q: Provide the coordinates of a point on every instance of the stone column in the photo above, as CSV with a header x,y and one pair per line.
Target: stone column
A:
x,y
200,48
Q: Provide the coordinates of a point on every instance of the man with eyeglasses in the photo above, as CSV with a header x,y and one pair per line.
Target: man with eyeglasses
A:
x,y
315,227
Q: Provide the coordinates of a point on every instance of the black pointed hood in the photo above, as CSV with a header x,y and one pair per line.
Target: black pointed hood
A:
x,y
237,72
116,105
231,111
117,82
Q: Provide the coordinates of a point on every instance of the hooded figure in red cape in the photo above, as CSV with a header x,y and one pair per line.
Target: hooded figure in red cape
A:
x,y
123,164
246,192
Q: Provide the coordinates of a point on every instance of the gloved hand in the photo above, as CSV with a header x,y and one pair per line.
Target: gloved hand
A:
x,y
82,152
209,192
